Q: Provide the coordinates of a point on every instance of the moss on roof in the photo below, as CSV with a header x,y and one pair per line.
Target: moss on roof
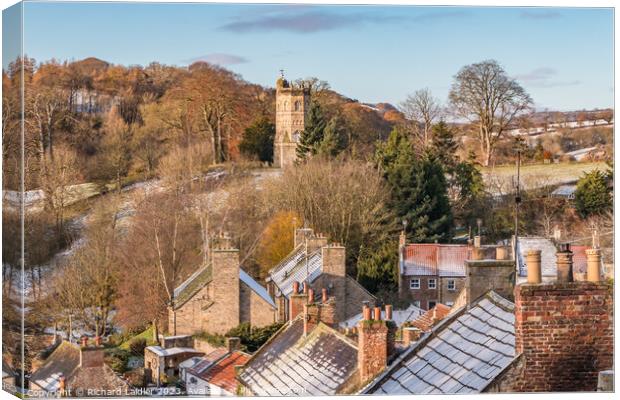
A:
x,y
192,287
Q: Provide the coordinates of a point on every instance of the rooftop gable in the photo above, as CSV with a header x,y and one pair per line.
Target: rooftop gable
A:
x,y
461,354
297,365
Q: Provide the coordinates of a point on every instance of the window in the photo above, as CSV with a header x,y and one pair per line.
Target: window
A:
x,y
451,285
296,136
297,106
414,283
431,304
432,283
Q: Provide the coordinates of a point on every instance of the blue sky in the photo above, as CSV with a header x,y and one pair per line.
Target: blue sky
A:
x,y
562,56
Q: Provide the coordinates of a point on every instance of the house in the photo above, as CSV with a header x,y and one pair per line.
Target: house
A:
x,y
215,373
220,296
555,336
78,371
307,356
399,317
315,263
163,361
548,258
565,192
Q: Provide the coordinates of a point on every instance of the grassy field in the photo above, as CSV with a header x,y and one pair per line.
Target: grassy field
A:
x,y
538,175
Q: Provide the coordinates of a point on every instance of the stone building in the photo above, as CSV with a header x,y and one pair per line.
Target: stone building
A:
x,y
292,105
315,264
220,296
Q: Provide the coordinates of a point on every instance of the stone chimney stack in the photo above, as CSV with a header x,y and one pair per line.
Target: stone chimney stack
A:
x,y
334,267
225,282
91,356
375,344
315,242
488,274
301,235
233,344
564,332
297,300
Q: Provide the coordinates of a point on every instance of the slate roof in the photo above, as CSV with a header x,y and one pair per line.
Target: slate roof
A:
x,y
294,365
256,287
296,267
161,352
398,316
426,321
64,360
547,258
97,378
462,354
192,285
435,259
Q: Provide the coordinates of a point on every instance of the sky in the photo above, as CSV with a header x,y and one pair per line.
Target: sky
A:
x,y
563,57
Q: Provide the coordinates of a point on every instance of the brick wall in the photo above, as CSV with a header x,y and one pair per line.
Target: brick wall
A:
x,y
372,349
423,294
564,332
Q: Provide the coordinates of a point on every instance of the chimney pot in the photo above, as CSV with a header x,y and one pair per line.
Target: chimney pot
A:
x,y
477,241
84,341
324,295
564,263
97,340
377,316
305,287
366,313
388,312
593,260
533,266
295,287
310,296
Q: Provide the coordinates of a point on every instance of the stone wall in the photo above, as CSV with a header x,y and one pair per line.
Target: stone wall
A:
x,y
564,333
485,275
261,312
191,316
334,275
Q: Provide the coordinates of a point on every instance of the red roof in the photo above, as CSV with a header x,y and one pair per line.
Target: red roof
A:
x,y
435,259
426,321
222,373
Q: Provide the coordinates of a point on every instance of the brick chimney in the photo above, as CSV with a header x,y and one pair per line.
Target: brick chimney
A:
x,y
91,356
225,282
315,312
488,274
564,332
297,300
333,257
375,344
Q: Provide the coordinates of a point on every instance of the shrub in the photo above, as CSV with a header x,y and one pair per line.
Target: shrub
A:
x,y
117,359
137,346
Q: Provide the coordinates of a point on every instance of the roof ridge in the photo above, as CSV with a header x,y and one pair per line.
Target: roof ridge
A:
x,y
287,258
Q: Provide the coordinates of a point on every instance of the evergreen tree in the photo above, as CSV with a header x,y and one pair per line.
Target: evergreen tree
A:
x,y
445,144
257,141
418,189
312,135
593,196
334,138
377,267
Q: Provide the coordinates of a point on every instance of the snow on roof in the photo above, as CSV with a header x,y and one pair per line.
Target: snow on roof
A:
x,y
564,190
296,365
580,152
256,287
462,354
297,267
161,352
398,316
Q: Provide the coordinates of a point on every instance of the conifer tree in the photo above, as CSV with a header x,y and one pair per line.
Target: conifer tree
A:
x,y
418,189
444,143
312,136
334,138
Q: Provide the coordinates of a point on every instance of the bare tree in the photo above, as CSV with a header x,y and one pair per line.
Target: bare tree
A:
x,y
483,94
421,109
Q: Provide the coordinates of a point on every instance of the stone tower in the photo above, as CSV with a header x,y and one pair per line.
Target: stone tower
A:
x,y
292,105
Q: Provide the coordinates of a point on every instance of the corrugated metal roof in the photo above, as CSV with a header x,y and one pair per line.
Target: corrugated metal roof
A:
x,y
297,267
435,259
293,365
548,258
462,354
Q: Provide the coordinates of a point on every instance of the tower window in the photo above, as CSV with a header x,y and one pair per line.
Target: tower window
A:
x,y
297,106
296,136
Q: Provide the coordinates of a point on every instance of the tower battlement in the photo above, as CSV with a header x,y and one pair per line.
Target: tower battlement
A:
x,y
292,105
